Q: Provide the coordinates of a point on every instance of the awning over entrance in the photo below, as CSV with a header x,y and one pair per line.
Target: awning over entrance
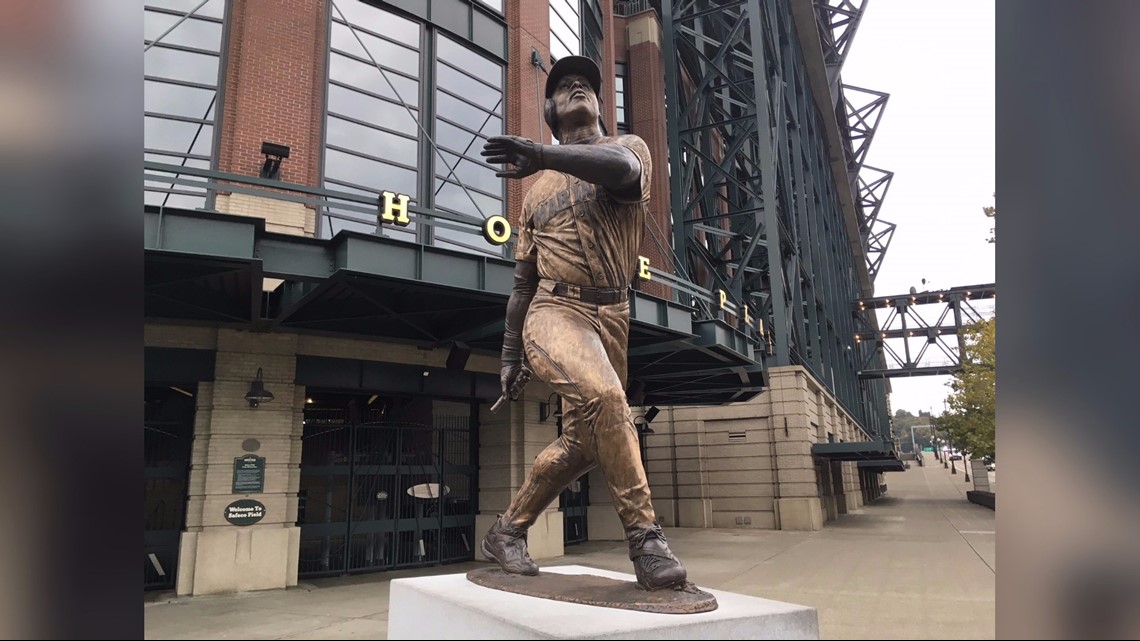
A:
x,y
862,451
883,465
206,266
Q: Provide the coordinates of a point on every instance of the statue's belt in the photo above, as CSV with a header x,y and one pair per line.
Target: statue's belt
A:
x,y
598,295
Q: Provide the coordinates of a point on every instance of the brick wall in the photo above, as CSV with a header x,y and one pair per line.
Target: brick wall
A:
x,y
274,86
280,216
646,88
528,26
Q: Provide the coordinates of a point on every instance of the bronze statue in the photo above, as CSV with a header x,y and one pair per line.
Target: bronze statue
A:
x,y
568,316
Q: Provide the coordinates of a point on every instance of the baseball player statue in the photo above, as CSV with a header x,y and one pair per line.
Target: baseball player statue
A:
x,y
568,316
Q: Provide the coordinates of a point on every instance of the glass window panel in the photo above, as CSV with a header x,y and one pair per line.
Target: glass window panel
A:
x,y
180,201
183,65
488,33
559,50
176,160
369,173
163,97
497,5
386,53
469,243
469,61
568,8
373,142
467,115
369,109
563,31
368,77
378,21
452,196
470,173
459,140
203,34
212,9
177,136
492,127
471,89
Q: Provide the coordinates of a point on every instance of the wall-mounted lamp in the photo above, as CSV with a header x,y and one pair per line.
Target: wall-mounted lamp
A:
x,y
544,408
274,154
257,393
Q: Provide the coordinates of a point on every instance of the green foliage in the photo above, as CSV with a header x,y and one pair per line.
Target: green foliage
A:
x,y
901,424
970,420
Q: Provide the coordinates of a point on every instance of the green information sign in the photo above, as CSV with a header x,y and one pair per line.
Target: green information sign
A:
x,y
249,474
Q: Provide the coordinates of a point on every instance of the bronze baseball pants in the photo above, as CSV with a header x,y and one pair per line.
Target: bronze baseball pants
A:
x,y
580,350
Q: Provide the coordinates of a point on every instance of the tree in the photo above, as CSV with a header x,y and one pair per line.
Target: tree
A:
x,y
901,425
970,420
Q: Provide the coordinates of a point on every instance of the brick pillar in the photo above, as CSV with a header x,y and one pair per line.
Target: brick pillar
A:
x,y
274,91
799,506
646,87
609,72
216,556
528,28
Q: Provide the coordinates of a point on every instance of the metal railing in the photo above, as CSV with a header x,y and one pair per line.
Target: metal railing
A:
x,y
330,205
631,7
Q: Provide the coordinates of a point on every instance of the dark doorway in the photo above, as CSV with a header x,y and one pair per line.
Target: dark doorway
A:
x,y
168,434
573,501
386,482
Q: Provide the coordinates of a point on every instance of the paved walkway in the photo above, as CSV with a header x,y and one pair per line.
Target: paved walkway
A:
x,y
917,564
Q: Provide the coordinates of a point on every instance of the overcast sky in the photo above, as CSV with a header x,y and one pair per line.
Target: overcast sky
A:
x,y
936,60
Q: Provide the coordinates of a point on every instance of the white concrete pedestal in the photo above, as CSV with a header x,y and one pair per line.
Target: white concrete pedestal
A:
x,y
451,607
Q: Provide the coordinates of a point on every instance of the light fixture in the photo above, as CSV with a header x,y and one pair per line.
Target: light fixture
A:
x,y
652,414
257,393
274,153
544,408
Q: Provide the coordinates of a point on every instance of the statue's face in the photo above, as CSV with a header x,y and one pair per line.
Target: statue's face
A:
x,y
575,101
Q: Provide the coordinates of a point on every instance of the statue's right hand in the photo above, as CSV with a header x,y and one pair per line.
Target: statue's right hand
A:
x,y
523,153
513,377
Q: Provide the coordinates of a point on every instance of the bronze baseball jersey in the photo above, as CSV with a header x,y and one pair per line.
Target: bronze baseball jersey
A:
x,y
582,234
579,232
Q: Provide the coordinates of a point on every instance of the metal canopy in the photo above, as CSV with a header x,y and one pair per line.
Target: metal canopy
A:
x,y
373,305
200,288
205,266
863,451
883,465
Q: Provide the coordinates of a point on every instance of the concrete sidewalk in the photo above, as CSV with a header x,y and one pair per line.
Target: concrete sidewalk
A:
x,y
917,564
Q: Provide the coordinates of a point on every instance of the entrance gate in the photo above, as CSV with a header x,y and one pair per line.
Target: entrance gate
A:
x,y
168,433
380,492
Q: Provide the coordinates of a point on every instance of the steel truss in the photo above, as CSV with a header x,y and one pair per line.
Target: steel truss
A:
x,y
756,207
928,348
858,112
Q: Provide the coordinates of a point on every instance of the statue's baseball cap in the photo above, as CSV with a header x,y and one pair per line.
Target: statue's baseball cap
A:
x,y
571,65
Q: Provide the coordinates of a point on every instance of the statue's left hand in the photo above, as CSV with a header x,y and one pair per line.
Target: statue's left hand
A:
x,y
523,153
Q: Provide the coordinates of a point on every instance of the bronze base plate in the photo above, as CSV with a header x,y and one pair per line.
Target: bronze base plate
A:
x,y
591,589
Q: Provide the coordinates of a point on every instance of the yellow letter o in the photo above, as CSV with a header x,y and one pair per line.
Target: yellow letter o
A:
x,y
496,230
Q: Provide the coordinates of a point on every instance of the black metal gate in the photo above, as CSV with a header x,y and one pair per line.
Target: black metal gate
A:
x,y
168,434
573,501
379,492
